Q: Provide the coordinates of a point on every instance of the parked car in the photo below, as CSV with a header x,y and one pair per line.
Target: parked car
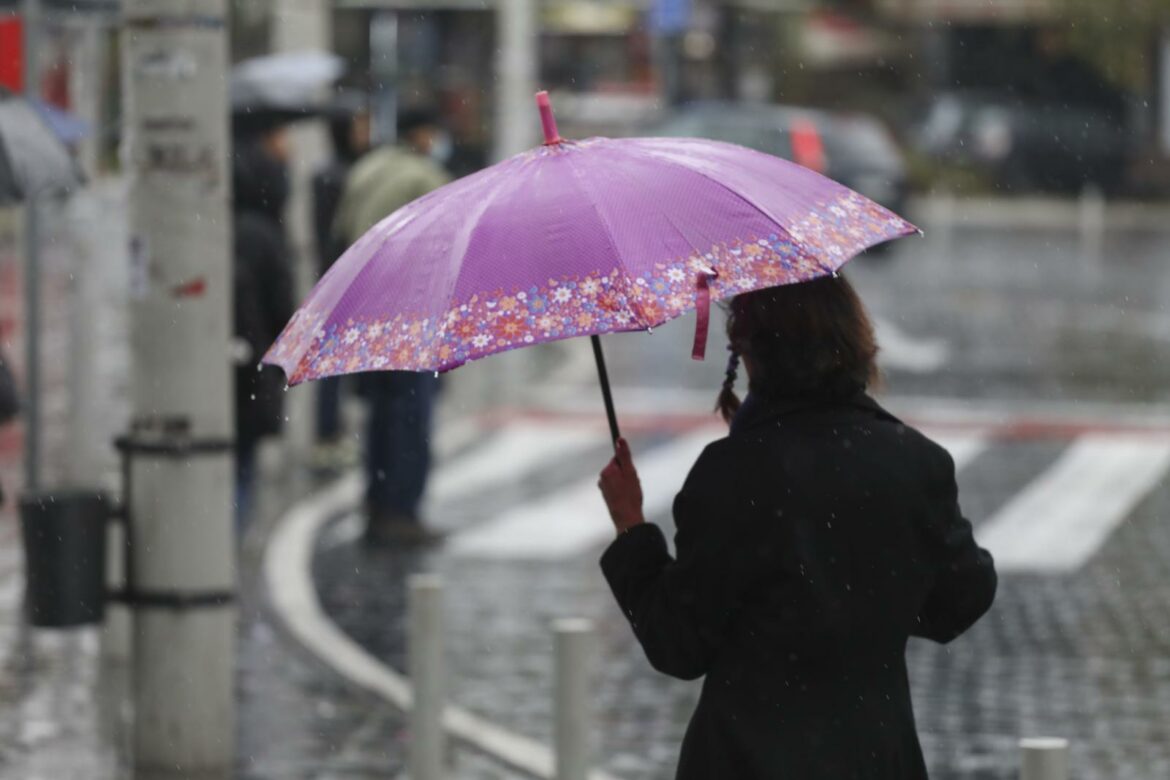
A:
x,y
1026,143
854,149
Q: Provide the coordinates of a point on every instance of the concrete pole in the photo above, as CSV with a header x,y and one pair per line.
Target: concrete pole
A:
x,y
517,123
183,546
1043,758
425,666
573,640
31,21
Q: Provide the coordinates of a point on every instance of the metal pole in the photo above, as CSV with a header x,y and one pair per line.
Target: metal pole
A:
x,y
1044,758
574,640
425,666
516,64
32,272
182,567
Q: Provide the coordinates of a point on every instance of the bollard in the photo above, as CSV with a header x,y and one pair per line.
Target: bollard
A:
x,y
574,638
1044,758
425,666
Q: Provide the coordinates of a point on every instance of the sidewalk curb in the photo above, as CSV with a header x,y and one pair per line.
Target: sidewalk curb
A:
x,y
287,576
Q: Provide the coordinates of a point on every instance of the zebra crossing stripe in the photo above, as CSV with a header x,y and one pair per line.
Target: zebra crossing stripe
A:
x,y
1063,516
510,454
572,520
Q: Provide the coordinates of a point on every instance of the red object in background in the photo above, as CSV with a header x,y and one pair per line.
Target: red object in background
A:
x,y
807,147
11,55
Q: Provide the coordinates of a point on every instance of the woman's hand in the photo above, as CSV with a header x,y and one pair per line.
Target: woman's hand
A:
x,y
622,490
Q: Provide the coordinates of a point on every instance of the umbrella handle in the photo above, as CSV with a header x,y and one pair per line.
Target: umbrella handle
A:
x,y
607,396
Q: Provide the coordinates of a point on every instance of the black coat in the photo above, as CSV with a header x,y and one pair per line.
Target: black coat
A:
x,y
328,185
262,289
812,543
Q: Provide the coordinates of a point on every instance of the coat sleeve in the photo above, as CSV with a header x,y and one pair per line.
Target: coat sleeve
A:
x,y
681,609
965,584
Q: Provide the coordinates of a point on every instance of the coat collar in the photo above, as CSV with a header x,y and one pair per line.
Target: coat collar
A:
x,y
756,411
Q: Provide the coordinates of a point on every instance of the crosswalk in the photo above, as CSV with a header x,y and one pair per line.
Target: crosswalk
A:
x,y
1061,517
1067,513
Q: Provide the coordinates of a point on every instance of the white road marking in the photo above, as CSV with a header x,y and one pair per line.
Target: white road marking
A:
x,y
903,351
510,454
573,519
287,573
1060,520
963,447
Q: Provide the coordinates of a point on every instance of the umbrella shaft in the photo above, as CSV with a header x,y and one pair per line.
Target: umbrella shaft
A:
x,y
607,396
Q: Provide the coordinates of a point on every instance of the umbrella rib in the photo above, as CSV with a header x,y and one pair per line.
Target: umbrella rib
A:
x,y
583,188
743,198
500,181
374,254
308,353
635,183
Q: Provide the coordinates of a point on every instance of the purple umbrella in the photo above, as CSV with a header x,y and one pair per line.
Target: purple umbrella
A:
x,y
574,238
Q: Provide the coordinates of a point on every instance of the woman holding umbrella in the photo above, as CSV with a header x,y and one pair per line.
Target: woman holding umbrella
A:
x,y
816,538
812,542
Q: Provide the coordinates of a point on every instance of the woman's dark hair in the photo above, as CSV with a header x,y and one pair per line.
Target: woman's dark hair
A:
x,y
811,339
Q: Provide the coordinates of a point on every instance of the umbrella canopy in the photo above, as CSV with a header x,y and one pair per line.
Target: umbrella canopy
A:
x,y
573,239
33,161
292,82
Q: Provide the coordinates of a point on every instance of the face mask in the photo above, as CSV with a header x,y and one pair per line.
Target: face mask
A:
x,y
441,147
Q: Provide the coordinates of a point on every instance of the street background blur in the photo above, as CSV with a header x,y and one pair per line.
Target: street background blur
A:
x,y
1028,330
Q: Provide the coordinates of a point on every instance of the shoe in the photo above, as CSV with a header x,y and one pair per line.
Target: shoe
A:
x,y
399,531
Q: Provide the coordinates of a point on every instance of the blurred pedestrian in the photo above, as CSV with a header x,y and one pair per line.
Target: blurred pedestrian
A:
x,y
349,131
401,402
811,543
263,292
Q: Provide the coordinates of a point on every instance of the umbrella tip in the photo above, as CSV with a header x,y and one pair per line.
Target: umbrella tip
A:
x,y
547,120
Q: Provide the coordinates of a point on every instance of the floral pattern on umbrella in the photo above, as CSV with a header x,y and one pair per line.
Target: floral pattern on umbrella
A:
x,y
571,305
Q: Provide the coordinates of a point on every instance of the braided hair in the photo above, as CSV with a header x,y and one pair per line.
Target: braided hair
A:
x,y
728,403
806,340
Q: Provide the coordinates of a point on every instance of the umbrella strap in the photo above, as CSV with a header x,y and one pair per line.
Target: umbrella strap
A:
x,y
702,312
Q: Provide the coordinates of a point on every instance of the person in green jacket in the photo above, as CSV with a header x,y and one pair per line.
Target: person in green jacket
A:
x,y
401,402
